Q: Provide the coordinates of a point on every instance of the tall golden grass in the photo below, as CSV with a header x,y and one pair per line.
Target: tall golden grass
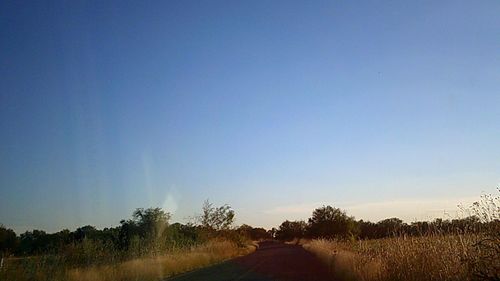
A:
x,y
146,268
433,257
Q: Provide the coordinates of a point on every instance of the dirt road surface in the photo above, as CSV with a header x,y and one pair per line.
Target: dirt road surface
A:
x,y
273,261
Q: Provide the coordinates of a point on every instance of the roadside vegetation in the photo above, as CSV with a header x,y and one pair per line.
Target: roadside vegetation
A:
x,y
145,247
148,247
390,250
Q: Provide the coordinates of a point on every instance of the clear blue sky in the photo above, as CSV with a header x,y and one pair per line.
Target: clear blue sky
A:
x,y
385,108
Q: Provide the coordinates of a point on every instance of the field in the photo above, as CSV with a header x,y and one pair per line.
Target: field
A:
x,y
331,245
431,257
145,268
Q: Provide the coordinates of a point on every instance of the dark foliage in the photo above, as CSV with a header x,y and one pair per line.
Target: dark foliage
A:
x,y
254,233
329,222
148,231
8,240
289,230
216,218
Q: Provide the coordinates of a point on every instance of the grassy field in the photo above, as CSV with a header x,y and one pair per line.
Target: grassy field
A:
x,y
432,257
144,268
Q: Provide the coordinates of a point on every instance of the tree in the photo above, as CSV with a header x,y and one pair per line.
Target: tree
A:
x,y
128,229
151,222
289,230
330,222
180,234
34,242
84,232
8,240
216,218
253,233
146,224
390,227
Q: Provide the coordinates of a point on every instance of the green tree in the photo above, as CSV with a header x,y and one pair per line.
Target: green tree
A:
x,y
151,222
8,240
330,222
390,227
253,233
34,242
146,225
289,230
83,232
217,218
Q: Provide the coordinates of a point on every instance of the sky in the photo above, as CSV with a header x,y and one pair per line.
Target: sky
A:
x,y
382,108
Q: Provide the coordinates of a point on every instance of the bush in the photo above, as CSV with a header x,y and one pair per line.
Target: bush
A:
x,y
329,222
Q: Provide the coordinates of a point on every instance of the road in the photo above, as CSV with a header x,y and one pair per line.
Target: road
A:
x,y
272,261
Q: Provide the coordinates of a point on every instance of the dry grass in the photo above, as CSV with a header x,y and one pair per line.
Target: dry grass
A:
x,y
155,268
434,257
144,269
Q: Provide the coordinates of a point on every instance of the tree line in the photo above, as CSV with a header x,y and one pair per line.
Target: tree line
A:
x,y
148,231
333,223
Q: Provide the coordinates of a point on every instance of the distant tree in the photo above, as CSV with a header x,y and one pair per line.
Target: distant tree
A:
x,y
245,230
259,233
84,232
128,230
329,222
391,227
289,230
151,222
8,240
146,224
367,230
216,218
181,234
34,242
253,233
